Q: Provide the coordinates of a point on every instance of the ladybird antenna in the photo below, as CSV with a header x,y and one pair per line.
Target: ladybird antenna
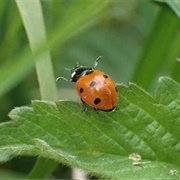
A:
x,y
62,78
68,69
77,64
96,61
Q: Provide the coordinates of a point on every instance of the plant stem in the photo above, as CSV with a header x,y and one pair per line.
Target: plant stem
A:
x,y
35,29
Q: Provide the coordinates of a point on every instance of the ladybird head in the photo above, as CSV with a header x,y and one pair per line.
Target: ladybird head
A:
x,y
79,71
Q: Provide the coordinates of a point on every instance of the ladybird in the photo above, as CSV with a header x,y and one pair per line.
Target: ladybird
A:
x,y
95,88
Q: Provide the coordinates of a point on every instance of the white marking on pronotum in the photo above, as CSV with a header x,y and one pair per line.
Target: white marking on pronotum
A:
x,y
72,75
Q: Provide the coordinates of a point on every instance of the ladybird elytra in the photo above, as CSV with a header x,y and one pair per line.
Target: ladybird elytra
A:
x,y
94,87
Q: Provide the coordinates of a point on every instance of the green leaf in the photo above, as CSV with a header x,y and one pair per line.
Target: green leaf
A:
x,y
35,29
37,37
157,48
173,4
101,143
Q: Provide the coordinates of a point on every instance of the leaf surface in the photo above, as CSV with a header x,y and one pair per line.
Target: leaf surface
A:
x,y
101,143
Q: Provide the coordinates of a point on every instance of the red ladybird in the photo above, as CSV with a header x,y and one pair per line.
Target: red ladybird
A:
x,y
94,87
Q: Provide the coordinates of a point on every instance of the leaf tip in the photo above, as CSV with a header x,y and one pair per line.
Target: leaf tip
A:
x,y
178,60
32,101
9,114
12,112
162,78
35,100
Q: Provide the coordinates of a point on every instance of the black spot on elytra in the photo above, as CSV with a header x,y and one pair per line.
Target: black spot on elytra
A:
x,y
81,90
97,101
92,83
116,89
105,76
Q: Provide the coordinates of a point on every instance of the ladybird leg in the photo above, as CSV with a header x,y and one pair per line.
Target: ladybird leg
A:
x,y
68,69
62,78
116,109
85,106
97,110
96,61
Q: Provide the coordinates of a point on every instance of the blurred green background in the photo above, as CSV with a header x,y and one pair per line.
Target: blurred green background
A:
x,y
118,32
